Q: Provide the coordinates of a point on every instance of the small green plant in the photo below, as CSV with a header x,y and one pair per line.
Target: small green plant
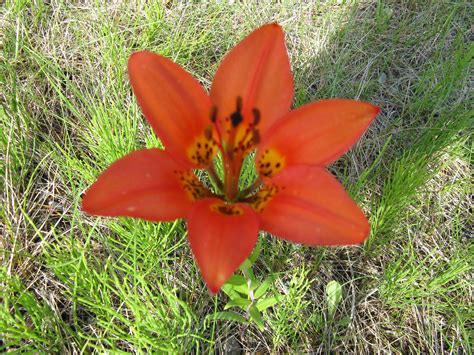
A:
x,y
249,294
333,296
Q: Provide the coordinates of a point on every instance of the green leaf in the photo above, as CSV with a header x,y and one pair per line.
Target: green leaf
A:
x,y
240,284
246,268
231,316
237,280
260,291
254,284
256,317
255,253
246,265
333,296
242,289
344,322
230,291
238,302
265,303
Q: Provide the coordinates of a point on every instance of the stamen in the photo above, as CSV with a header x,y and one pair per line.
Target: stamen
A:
x,y
249,138
255,136
214,114
256,116
240,138
252,188
208,129
239,103
236,117
215,177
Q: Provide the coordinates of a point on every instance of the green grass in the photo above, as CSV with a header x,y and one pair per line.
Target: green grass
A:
x,y
72,282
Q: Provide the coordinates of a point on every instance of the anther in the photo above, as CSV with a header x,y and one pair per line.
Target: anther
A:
x,y
236,117
239,103
255,136
256,116
214,113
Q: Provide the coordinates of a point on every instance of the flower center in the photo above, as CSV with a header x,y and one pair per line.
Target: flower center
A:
x,y
236,135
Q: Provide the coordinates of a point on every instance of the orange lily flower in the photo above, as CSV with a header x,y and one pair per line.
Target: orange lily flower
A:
x,y
248,108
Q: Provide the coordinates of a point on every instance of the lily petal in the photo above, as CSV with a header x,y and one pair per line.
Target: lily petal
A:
x,y
173,102
315,134
221,238
257,70
143,184
310,206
